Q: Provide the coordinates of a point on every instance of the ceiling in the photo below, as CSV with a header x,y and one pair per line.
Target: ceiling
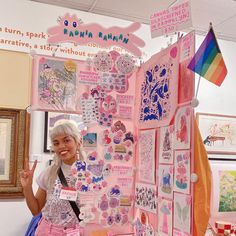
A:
x,y
222,13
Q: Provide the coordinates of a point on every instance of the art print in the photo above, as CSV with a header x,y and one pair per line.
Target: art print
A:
x,y
223,190
183,119
182,171
218,133
165,181
182,213
90,140
166,144
145,197
165,211
227,191
54,84
147,156
158,88
186,76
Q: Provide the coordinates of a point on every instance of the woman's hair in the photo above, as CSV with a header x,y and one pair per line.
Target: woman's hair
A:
x,y
66,128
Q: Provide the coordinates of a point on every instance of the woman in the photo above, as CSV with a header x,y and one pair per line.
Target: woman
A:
x,y
58,217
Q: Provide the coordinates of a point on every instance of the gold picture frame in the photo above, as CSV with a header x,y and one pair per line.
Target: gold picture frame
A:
x,y
14,147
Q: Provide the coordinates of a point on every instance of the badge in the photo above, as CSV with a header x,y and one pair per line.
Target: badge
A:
x,y
68,193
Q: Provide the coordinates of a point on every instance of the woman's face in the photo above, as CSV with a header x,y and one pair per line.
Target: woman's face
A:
x,y
66,148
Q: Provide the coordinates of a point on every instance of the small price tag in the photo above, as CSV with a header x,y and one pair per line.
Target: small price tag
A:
x,y
68,194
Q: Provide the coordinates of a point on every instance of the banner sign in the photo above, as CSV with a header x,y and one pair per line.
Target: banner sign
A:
x,y
71,29
170,20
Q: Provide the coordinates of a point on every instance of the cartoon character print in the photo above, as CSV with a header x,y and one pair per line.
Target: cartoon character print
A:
x,y
182,133
106,110
118,144
155,94
125,64
91,176
102,61
111,212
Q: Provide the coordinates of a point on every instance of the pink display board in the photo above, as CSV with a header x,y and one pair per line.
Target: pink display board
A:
x,y
138,136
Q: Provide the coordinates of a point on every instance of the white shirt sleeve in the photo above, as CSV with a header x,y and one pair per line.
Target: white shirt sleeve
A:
x,y
43,177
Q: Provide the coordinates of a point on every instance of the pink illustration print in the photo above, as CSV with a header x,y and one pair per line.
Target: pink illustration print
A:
x,y
70,29
182,133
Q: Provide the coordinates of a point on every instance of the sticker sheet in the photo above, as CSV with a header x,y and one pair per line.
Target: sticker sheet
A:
x,y
145,197
182,171
147,140
165,181
113,207
165,209
182,213
183,120
158,88
166,144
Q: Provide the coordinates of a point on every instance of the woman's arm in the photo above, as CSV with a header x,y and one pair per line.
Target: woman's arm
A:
x,y
35,202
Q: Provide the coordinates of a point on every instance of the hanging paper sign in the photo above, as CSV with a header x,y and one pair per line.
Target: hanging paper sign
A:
x,y
125,182
125,112
186,76
70,29
122,170
172,19
124,99
187,46
88,77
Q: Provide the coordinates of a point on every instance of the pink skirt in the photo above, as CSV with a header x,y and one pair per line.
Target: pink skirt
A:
x,y
45,228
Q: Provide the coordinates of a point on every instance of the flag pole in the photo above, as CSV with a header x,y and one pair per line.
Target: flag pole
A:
x,y
198,84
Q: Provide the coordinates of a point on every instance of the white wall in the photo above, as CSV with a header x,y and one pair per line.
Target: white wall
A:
x,y
30,16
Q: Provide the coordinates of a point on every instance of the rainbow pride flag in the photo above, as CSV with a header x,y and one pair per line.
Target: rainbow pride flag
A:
x,y
208,61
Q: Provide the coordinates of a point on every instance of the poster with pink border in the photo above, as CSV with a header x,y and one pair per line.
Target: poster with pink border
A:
x,y
182,171
165,211
166,144
157,89
183,120
182,214
147,140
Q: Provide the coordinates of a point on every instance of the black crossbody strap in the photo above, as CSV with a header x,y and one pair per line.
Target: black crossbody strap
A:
x,y
72,203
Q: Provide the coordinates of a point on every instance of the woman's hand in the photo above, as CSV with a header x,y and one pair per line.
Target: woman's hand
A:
x,y
26,175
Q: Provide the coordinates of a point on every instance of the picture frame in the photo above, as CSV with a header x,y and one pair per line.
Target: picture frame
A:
x,y
222,206
53,118
218,134
14,147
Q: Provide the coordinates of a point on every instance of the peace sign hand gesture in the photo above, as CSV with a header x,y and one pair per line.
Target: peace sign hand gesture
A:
x,y
26,175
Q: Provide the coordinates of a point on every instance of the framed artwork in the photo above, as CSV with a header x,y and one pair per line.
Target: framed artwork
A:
x,y
14,146
223,193
53,118
218,134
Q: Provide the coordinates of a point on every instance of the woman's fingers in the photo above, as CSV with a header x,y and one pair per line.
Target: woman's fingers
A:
x,y
26,164
34,166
